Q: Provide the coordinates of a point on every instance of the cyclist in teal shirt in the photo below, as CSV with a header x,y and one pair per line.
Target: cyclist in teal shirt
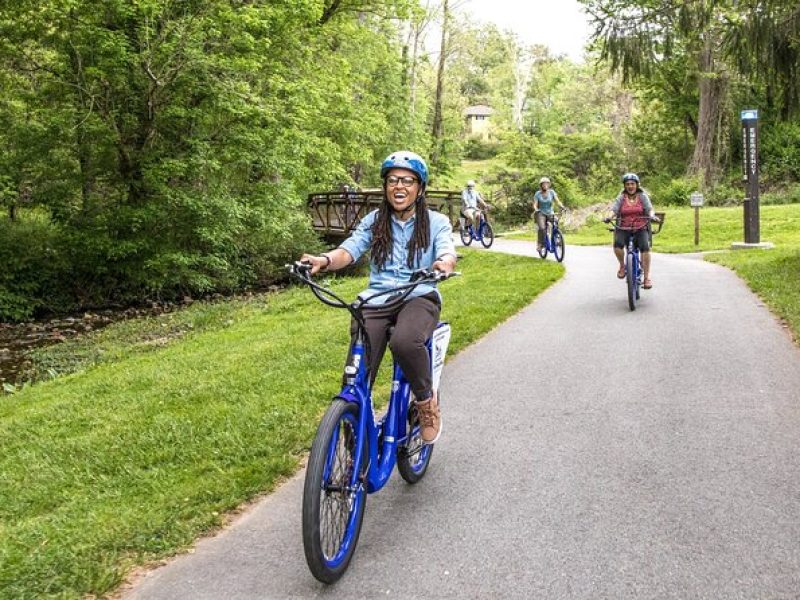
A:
x,y
543,208
403,235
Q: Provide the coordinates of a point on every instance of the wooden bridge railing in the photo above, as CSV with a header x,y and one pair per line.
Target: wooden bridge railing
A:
x,y
336,214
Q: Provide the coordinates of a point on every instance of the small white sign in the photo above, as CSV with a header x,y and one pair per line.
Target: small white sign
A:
x,y
696,199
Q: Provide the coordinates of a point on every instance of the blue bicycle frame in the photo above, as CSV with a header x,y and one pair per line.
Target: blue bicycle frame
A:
x,y
484,233
341,470
476,235
633,257
552,236
383,436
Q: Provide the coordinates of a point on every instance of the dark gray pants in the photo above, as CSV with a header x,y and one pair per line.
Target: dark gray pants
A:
x,y
413,322
541,225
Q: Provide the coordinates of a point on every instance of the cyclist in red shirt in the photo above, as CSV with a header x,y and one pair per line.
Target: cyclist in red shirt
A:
x,y
633,210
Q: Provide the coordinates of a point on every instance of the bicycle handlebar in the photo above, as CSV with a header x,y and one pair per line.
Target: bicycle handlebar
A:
x,y
614,226
302,271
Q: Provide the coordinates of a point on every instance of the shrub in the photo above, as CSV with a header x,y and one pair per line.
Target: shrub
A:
x,y
34,267
477,149
780,152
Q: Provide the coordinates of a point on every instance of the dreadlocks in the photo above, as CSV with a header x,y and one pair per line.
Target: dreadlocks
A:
x,y
382,232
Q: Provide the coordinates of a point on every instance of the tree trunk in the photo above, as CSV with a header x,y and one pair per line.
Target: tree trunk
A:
x,y
437,132
713,88
522,77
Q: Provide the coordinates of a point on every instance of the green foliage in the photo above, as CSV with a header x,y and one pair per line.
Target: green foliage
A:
x,y
583,167
656,139
478,149
172,145
675,192
780,152
34,269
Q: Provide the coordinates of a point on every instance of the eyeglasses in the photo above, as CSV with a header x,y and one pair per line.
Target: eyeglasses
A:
x,y
406,181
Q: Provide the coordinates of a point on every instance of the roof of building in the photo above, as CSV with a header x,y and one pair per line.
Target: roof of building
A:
x,y
478,110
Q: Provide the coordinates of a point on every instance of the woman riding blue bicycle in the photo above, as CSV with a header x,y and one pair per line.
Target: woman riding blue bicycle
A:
x,y
543,201
634,211
403,235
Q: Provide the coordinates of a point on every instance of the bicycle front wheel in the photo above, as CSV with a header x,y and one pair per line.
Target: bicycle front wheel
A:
x,y
333,508
487,235
414,457
543,249
630,276
558,245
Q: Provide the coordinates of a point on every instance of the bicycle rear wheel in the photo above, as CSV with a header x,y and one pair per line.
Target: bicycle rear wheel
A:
x,y
558,245
487,235
413,458
630,276
466,236
333,510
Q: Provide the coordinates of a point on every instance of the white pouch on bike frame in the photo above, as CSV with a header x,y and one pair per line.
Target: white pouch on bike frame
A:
x,y
439,341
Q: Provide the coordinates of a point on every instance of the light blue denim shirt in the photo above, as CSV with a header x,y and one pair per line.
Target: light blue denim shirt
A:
x,y
469,198
396,271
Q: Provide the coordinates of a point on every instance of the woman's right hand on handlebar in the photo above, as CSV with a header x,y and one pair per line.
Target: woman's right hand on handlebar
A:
x,y
318,263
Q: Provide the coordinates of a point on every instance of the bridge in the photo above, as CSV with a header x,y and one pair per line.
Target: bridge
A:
x,y
336,214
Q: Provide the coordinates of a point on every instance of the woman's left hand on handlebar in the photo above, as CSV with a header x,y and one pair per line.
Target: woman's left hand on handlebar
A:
x,y
445,265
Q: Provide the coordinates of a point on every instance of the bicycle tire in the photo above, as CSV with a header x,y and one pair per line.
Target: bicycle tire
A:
x,y
630,276
558,246
329,546
487,235
466,236
414,457
543,250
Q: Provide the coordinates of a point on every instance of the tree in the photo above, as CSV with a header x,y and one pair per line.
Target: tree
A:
x,y
716,40
437,128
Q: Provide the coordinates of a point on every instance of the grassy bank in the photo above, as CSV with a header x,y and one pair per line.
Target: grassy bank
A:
x,y
133,458
718,228
774,275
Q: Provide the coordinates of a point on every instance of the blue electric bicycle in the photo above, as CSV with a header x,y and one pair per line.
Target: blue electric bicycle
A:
x,y
484,234
354,452
553,238
634,275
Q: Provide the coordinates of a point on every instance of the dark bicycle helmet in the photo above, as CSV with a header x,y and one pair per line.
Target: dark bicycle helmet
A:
x,y
403,159
630,177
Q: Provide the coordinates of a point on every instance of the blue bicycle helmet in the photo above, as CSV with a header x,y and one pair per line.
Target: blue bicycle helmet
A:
x,y
403,159
630,177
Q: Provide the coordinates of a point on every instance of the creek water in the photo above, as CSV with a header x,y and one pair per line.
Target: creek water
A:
x,y
17,340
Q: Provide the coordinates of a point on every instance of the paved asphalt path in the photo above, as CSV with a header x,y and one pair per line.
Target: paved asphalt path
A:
x,y
588,452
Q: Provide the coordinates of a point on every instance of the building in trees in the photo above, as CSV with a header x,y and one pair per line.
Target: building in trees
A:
x,y
478,119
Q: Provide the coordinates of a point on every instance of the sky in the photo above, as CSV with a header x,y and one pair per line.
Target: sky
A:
x,y
560,24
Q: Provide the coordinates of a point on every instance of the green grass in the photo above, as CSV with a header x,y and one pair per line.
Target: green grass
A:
x,y
774,275
468,169
134,457
718,228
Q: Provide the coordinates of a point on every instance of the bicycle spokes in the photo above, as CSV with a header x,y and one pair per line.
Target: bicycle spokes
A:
x,y
337,494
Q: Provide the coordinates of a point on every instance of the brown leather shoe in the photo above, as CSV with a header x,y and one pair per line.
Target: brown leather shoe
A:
x,y
430,419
